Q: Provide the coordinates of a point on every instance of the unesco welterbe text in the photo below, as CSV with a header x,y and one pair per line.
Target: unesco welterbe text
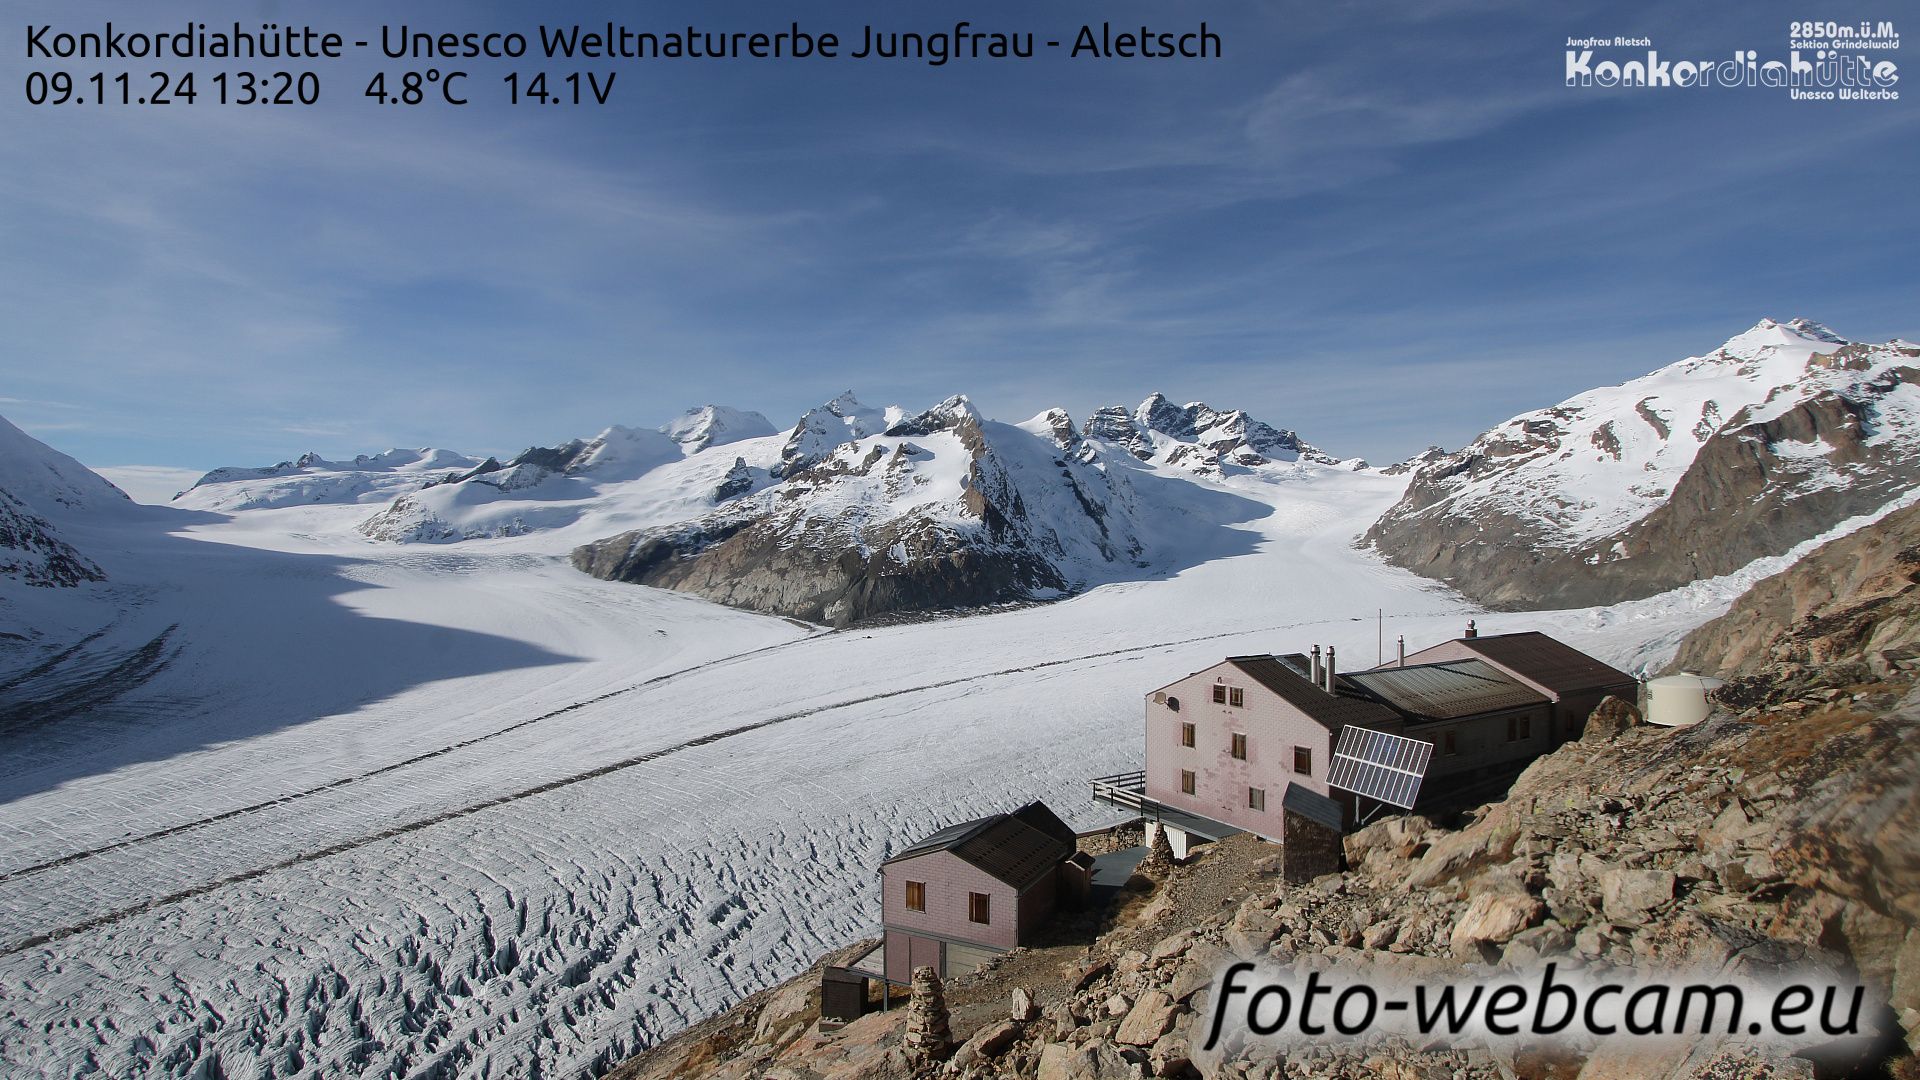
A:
x,y
936,46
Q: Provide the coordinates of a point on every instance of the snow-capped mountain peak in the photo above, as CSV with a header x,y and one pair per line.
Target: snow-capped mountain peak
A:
x,y
1768,336
1790,417
716,425
823,429
617,453
944,416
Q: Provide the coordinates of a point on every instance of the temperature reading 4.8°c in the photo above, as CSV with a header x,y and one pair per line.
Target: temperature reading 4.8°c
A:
x,y
418,87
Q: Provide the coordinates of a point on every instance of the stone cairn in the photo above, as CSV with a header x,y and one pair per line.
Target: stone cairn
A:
x,y
928,1037
1158,864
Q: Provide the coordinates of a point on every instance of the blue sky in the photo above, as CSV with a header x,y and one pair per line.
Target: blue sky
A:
x,y
1384,224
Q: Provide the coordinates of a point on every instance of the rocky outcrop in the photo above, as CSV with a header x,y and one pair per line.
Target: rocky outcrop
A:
x,y
739,481
1691,472
32,551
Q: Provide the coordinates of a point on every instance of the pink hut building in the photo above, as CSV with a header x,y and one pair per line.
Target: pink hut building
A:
x,y
1249,744
974,890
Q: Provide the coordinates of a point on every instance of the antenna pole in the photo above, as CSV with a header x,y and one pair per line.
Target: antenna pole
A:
x,y
1379,636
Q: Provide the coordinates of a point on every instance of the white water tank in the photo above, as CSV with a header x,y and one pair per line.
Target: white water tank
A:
x,y
1679,700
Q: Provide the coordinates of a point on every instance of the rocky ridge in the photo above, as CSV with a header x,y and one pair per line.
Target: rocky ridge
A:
x,y
1194,436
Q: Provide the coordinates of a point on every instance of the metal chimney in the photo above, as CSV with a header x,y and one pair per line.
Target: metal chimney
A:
x,y
1316,665
1472,630
1400,652
1329,669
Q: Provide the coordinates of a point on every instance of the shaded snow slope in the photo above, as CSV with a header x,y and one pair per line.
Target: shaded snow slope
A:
x,y
48,482
43,492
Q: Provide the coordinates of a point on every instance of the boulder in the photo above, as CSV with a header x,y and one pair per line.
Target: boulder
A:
x,y
1093,972
1627,895
1494,919
1610,719
1150,1018
1539,943
989,1041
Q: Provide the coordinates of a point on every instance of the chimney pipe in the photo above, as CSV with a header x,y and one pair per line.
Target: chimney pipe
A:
x,y
1316,665
1329,669
1400,651
1472,630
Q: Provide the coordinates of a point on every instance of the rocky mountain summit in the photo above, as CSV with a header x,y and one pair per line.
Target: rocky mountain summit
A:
x,y
1690,472
1196,436
1778,836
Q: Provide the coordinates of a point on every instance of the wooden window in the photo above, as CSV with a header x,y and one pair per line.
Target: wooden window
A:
x,y
1303,761
1186,735
1513,728
1256,798
1236,697
916,896
1219,694
1239,746
1526,727
1447,744
979,907
1186,781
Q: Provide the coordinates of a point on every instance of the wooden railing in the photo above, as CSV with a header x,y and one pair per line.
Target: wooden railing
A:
x,y
1128,790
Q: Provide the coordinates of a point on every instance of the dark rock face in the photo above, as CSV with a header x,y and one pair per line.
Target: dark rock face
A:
x,y
33,552
823,577
739,481
1757,486
1116,425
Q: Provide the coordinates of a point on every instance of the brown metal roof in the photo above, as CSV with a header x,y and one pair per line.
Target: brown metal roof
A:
x,y
1331,711
1038,815
1559,667
1018,848
1447,691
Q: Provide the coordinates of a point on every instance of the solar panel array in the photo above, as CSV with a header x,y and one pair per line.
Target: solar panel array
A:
x,y
1380,766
